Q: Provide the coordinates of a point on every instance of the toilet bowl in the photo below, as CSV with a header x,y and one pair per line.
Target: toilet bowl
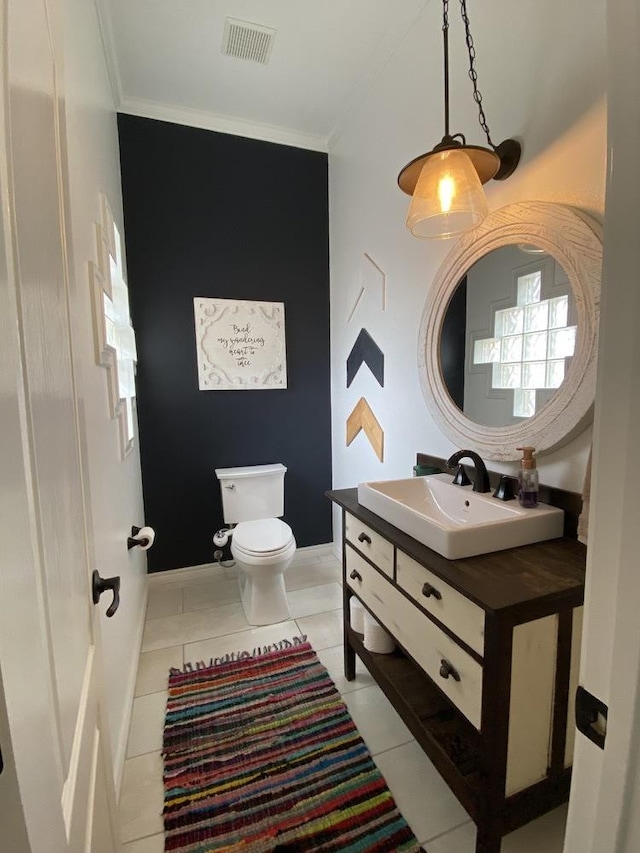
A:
x,y
263,550
261,543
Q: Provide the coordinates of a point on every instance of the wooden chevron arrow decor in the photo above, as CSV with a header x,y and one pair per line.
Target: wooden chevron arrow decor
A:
x,y
365,351
362,418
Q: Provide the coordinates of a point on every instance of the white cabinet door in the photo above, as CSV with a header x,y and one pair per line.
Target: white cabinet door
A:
x,y
51,674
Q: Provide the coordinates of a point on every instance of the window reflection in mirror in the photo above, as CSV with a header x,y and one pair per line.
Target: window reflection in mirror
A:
x,y
508,335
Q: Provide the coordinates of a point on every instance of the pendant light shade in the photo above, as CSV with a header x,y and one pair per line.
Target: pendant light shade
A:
x,y
446,183
448,198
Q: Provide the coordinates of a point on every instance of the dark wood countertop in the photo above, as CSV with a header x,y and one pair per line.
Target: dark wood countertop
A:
x,y
550,574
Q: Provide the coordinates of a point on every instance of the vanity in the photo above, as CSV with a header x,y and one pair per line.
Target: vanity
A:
x,y
487,634
486,663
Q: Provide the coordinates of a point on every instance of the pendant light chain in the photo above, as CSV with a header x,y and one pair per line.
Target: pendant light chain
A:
x,y
477,96
445,39
445,183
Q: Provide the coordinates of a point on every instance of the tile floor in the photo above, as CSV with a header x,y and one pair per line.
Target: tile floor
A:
x,y
198,615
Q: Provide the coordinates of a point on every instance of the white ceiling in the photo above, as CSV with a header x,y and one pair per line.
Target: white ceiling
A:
x,y
166,62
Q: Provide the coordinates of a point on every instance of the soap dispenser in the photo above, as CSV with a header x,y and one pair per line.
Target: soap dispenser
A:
x,y
528,492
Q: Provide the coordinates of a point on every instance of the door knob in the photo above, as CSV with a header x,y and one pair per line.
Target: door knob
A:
x,y
100,585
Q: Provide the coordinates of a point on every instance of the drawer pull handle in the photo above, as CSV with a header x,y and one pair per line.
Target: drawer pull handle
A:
x,y
355,576
364,538
428,591
447,670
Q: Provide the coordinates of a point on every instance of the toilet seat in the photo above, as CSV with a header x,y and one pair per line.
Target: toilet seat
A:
x,y
266,537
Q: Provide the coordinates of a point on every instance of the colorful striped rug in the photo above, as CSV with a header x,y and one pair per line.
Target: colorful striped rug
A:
x,y
261,755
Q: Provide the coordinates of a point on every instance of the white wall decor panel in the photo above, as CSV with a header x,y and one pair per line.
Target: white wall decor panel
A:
x,y
240,344
114,336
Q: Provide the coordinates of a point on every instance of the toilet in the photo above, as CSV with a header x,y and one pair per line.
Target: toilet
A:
x,y
261,543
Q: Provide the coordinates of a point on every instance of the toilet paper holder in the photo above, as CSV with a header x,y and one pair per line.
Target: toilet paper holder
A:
x,y
134,543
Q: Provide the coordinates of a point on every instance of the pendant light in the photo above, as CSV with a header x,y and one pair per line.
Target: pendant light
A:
x,y
446,182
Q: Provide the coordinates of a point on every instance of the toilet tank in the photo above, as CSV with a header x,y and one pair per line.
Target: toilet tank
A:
x,y
252,492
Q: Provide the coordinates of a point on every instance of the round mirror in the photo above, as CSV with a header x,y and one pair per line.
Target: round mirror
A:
x,y
508,335
508,339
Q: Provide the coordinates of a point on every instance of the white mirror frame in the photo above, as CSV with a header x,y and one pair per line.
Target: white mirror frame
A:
x,y
575,241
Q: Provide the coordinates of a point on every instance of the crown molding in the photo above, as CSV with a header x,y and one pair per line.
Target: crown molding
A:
x,y
222,124
108,47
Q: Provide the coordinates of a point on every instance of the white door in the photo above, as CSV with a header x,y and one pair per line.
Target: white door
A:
x,y
604,810
58,778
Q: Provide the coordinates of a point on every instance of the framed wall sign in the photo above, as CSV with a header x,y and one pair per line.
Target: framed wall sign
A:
x,y
240,344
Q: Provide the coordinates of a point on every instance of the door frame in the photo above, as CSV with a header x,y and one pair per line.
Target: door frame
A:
x,y
604,807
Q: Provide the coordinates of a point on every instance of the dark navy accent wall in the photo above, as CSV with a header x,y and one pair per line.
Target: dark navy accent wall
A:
x,y
207,214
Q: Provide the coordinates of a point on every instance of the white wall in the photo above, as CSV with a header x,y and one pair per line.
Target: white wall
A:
x,y
114,486
541,73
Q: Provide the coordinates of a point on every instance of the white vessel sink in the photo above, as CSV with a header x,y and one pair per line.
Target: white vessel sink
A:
x,y
454,520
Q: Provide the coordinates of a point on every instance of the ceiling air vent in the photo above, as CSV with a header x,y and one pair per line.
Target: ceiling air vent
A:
x,y
245,40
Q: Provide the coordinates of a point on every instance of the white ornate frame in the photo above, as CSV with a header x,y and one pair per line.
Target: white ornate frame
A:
x,y
575,241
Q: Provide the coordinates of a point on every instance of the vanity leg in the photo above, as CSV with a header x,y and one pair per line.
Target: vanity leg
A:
x,y
488,842
349,662
349,653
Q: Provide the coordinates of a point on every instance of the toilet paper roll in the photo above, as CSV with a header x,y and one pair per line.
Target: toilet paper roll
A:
x,y
356,615
376,639
145,537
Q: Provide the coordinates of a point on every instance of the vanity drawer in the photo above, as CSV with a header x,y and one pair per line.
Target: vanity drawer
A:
x,y
370,543
430,647
464,618
434,651
370,586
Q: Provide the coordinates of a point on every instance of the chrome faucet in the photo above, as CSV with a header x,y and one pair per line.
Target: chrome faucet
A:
x,y
480,476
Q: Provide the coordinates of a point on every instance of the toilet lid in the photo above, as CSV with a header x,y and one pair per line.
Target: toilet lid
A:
x,y
262,536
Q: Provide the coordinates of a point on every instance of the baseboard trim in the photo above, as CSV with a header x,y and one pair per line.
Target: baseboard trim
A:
x,y
206,570
120,752
316,550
